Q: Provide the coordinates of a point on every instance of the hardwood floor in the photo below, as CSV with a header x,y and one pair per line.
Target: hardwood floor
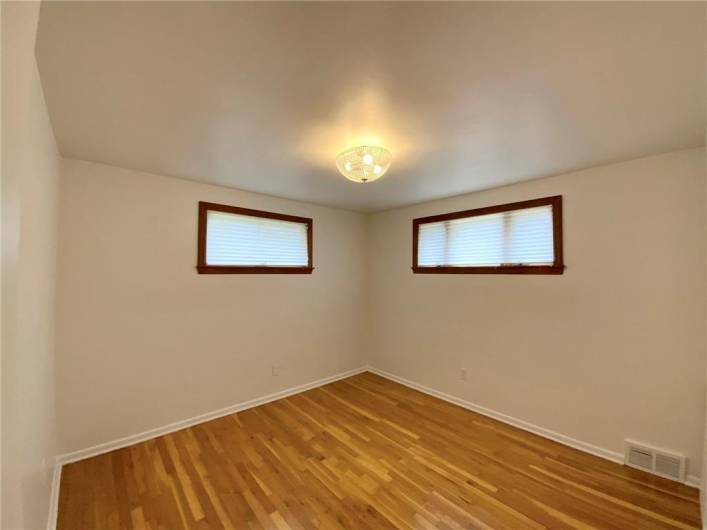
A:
x,y
364,453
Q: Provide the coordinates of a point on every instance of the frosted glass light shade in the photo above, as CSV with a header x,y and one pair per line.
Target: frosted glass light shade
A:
x,y
364,163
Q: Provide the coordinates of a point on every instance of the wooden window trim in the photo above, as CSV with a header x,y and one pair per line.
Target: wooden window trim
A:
x,y
557,267
203,268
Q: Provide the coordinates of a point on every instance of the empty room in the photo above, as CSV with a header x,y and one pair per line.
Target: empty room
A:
x,y
353,265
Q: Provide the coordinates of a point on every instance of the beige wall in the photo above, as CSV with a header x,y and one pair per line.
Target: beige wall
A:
x,y
613,348
143,340
30,173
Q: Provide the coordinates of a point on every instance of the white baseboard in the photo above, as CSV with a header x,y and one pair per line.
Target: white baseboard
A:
x,y
189,422
694,481
106,447
54,498
607,454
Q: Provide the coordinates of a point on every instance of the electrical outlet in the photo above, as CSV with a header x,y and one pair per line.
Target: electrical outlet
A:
x,y
462,374
275,370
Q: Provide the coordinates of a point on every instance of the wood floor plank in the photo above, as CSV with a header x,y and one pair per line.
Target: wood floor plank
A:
x,y
363,453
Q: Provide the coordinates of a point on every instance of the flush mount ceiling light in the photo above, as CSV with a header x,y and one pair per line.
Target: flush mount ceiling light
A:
x,y
363,163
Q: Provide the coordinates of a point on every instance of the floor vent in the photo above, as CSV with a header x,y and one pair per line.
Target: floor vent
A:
x,y
654,460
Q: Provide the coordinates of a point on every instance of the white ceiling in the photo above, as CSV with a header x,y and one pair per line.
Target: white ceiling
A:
x,y
262,96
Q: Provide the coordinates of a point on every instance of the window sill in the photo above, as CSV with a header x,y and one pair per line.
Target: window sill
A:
x,y
512,269
228,269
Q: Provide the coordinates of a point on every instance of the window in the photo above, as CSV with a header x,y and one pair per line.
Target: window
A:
x,y
239,240
518,238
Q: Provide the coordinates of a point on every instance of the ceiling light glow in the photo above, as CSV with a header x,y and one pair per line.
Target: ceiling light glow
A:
x,y
363,163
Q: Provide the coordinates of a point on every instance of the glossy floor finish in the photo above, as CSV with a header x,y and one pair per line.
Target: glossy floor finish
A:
x,y
363,452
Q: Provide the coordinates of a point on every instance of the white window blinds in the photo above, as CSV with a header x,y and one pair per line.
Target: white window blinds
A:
x,y
515,237
244,240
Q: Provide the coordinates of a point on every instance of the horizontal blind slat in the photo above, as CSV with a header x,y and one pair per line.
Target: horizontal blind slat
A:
x,y
242,240
515,237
